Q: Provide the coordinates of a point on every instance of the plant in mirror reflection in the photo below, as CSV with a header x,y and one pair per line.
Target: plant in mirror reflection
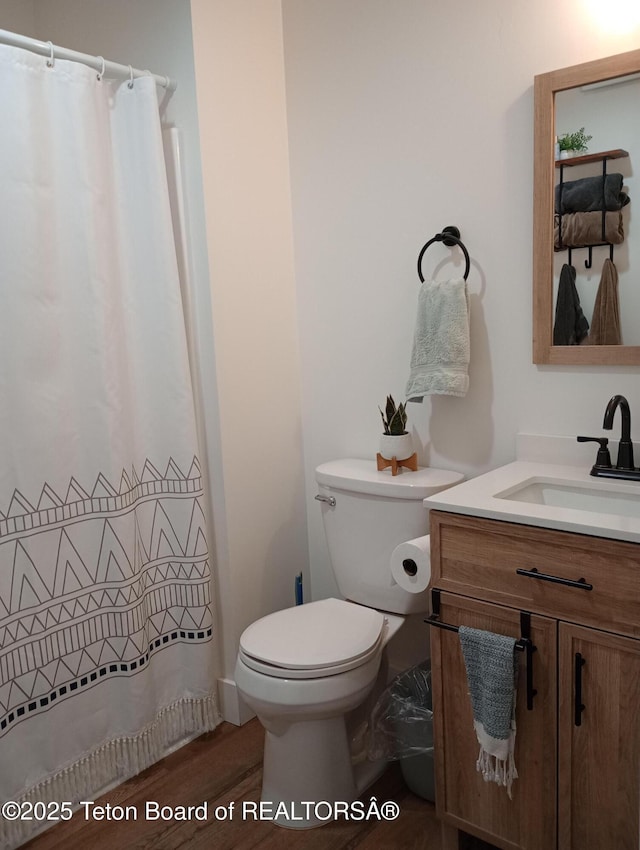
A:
x,y
577,141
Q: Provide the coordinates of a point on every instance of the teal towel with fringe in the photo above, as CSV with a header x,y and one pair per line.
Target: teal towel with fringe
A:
x,y
492,670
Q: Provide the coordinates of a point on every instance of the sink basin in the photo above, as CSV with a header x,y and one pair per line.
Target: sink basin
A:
x,y
548,495
599,498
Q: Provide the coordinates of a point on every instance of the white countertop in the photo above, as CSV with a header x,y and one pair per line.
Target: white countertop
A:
x,y
480,497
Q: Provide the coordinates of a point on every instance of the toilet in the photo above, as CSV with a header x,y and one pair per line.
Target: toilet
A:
x,y
304,669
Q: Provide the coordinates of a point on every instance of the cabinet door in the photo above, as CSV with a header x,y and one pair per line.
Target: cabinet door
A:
x,y
599,759
463,798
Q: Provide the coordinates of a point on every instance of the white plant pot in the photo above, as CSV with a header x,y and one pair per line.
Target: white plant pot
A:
x,y
399,447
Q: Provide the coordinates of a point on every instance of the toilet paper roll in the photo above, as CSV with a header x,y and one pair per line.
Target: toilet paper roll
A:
x,y
411,564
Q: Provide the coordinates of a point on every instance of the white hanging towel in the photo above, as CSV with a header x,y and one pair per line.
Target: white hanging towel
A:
x,y
441,347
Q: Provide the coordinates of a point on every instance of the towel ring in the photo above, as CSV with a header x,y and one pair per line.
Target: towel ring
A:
x,y
450,236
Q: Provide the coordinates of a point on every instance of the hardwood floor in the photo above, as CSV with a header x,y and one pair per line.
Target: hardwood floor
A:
x,y
222,767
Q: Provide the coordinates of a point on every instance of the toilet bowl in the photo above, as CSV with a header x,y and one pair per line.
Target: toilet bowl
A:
x,y
304,669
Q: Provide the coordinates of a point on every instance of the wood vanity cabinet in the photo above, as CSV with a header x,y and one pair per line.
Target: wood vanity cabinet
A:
x,y
578,748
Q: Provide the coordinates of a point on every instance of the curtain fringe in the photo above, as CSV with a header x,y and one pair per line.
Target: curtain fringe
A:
x,y
115,761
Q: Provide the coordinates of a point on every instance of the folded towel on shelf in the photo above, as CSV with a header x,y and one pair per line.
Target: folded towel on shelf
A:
x,y
605,322
586,195
492,673
579,230
440,354
570,326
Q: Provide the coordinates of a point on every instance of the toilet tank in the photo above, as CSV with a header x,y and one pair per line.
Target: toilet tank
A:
x,y
374,511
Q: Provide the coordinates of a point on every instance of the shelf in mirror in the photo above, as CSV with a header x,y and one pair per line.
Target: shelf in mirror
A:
x,y
583,159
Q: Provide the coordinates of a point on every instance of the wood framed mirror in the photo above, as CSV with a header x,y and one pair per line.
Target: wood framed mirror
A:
x,y
546,88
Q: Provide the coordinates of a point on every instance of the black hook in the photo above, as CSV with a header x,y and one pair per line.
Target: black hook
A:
x,y
450,236
589,262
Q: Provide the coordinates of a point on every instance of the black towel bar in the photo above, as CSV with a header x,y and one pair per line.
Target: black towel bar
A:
x,y
524,644
433,620
450,236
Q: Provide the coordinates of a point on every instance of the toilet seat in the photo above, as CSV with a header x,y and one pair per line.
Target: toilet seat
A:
x,y
311,641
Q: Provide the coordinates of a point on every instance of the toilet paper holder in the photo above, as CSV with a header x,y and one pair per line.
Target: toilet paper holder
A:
x,y
523,644
410,567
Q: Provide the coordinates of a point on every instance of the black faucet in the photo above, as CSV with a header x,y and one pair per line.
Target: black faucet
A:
x,y
625,446
624,467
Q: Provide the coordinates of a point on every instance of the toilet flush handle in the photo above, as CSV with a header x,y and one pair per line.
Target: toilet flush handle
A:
x,y
328,499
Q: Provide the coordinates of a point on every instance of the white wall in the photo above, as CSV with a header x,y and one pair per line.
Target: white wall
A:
x,y
241,101
18,16
405,117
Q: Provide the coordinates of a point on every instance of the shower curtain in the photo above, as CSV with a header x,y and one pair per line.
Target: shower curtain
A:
x,y
107,640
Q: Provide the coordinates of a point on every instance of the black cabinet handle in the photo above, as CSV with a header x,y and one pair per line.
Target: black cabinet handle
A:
x,y
568,582
579,706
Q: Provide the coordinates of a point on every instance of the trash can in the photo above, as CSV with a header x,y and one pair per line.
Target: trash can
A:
x,y
402,728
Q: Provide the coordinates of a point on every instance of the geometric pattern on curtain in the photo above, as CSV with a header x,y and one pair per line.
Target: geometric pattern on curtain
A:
x,y
108,650
96,612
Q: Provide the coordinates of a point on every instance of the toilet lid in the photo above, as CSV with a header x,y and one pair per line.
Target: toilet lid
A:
x,y
330,635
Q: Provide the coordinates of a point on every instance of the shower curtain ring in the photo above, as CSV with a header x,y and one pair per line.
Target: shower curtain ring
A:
x,y
130,83
101,71
51,60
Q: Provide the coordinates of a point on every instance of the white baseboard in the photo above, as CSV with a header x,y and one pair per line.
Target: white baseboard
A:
x,y
232,707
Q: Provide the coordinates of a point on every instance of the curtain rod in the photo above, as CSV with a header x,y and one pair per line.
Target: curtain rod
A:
x,y
112,69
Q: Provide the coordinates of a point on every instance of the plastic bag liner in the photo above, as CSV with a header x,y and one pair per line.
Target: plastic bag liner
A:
x,y
402,718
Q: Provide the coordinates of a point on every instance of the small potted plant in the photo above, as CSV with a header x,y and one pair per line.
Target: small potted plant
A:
x,y
573,144
396,441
